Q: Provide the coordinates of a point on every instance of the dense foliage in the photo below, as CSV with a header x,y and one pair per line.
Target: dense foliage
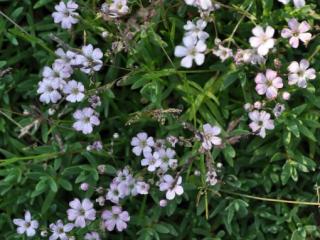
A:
x,y
233,106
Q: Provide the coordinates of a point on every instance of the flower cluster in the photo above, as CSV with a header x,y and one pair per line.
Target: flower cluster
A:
x,y
124,185
194,46
115,9
57,83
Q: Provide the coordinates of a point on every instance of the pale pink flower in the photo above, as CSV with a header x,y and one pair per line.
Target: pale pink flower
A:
x,y
210,136
116,218
142,144
286,96
90,59
260,122
300,73
49,91
59,230
167,158
163,203
171,186
262,40
58,72
26,225
297,31
152,161
196,30
65,14
223,53
92,236
191,50
85,120
297,3
74,91
81,212
142,187
268,84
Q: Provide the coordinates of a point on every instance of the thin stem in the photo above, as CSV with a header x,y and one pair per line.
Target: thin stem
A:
x,y
272,199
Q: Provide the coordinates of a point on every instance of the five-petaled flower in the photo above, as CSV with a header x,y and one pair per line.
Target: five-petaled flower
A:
x,y
85,120
268,84
191,50
300,73
26,225
115,218
65,14
297,31
81,212
262,40
260,122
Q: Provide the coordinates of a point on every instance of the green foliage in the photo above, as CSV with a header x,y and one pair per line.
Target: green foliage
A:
x,y
43,160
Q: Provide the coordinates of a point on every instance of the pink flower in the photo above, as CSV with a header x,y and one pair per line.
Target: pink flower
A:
x,y
92,236
142,144
85,120
262,40
142,187
260,122
210,136
172,186
298,31
116,218
80,212
268,84
65,14
153,161
163,203
300,73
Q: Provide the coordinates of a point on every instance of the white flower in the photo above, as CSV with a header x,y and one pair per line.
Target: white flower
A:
x,y
91,59
80,212
203,4
167,159
223,53
172,186
58,72
142,144
278,109
196,30
260,122
297,3
298,31
191,50
300,73
59,230
115,193
116,218
262,40
211,177
268,84
74,90
26,225
248,56
142,187
153,161
92,236
210,136
65,14
85,120
119,8
65,58
49,90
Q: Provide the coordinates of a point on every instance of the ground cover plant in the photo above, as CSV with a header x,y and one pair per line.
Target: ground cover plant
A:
x,y
159,119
